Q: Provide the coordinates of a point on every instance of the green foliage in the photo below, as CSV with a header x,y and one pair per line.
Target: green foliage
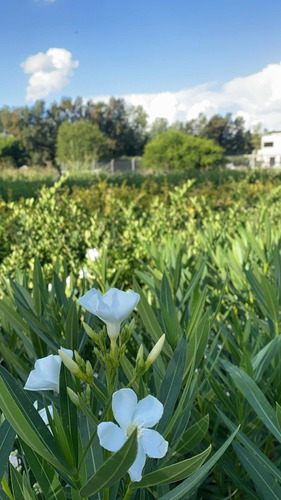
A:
x,y
205,258
79,143
12,152
175,150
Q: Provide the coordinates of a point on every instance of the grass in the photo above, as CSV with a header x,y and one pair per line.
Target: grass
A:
x,y
16,184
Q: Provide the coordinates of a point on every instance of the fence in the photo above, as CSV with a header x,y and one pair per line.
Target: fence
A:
x,y
111,167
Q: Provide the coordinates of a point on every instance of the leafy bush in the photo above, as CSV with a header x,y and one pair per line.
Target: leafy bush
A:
x,y
176,150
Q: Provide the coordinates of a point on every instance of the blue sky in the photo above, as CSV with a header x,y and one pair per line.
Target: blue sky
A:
x,y
175,57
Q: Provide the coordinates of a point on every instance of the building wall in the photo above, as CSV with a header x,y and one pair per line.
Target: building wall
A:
x,y
270,153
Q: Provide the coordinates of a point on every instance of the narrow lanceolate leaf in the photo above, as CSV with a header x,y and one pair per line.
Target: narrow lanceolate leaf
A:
x,y
45,475
71,327
26,421
175,472
264,357
264,482
255,398
7,438
68,410
253,449
196,311
193,436
191,483
113,469
16,480
169,312
278,415
28,492
149,319
171,384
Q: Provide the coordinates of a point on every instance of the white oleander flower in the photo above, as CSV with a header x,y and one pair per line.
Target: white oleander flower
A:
x,y
14,460
83,273
112,307
92,254
131,414
46,373
43,413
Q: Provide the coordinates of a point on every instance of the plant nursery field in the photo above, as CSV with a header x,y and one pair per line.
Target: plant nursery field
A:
x,y
140,338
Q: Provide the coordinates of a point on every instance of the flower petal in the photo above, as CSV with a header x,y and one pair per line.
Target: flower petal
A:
x,y
90,301
124,403
116,305
44,416
111,436
153,443
148,412
135,470
45,376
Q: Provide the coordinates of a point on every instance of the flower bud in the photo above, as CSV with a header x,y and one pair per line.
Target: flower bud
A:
x,y
154,353
89,371
73,397
70,364
139,359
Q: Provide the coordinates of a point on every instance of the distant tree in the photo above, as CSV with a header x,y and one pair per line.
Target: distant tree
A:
x,y
158,126
229,133
256,137
80,143
12,152
175,150
196,125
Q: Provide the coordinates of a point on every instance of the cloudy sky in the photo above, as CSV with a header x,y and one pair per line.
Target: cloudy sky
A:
x,y
176,58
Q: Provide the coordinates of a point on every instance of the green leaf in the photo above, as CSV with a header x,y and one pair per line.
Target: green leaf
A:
x,y
71,327
278,415
171,384
16,479
94,456
193,436
149,319
175,472
26,421
113,469
253,449
28,492
18,324
68,409
255,398
264,357
266,295
40,294
260,476
169,312
220,393
196,311
45,475
189,484
7,438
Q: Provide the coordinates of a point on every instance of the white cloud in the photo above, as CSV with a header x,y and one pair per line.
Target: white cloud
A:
x,y
50,72
256,97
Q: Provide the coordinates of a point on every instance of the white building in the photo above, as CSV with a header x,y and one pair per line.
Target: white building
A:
x,y
270,153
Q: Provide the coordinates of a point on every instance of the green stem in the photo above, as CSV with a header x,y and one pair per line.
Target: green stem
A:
x,y
127,495
106,494
113,346
132,381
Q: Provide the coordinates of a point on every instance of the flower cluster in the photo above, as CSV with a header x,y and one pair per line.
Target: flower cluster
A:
x,y
112,308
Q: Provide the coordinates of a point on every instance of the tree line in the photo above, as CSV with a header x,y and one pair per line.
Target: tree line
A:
x,y
75,130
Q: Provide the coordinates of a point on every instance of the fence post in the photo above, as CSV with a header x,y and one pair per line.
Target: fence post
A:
x,y
112,166
133,163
